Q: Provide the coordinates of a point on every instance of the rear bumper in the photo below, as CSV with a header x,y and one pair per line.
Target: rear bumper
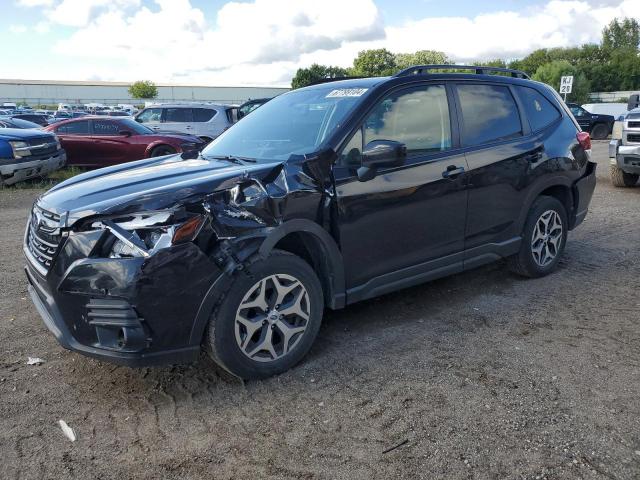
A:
x,y
17,172
583,191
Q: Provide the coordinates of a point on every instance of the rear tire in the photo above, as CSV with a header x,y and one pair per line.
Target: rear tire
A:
x,y
161,150
268,320
600,131
619,178
543,239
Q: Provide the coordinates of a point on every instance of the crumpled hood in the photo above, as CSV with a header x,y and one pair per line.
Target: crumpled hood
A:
x,y
148,184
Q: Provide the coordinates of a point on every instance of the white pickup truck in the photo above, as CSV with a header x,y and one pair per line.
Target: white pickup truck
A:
x,y
624,150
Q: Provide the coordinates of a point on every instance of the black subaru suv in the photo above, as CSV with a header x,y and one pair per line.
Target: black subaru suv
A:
x,y
325,196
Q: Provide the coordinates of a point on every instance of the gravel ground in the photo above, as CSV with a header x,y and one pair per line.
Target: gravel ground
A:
x,y
480,375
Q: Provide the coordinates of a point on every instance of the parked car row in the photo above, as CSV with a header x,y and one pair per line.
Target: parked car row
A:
x,y
110,137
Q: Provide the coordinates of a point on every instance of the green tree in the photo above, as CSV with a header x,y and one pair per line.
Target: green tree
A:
x,y
623,34
143,89
374,63
551,72
315,73
421,57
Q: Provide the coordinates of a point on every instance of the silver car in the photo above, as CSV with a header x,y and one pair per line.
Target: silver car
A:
x,y
204,120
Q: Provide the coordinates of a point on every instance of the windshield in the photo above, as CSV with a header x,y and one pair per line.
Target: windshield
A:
x,y
294,123
135,126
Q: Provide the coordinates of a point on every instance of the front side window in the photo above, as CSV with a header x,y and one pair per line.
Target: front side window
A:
x,y
178,115
539,110
295,123
578,112
74,128
105,127
150,115
419,118
489,114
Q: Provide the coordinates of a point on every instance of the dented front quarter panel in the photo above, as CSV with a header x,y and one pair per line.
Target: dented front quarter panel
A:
x,y
171,289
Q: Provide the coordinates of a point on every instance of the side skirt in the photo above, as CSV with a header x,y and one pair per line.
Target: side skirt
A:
x,y
433,269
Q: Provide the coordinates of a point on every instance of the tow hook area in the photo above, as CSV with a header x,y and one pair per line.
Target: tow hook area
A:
x,y
118,326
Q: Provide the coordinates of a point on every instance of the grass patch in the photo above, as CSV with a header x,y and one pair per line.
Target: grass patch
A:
x,y
46,182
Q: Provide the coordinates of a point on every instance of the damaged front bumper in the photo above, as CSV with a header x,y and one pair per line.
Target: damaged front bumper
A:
x,y
625,157
128,311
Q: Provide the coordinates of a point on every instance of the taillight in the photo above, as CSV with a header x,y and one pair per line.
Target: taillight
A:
x,y
584,139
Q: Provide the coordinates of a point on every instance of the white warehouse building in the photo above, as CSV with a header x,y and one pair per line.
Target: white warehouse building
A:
x,y
49,92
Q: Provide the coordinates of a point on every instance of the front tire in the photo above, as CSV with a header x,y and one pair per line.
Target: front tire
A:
x,y
543,239
161,150
620,178
267,320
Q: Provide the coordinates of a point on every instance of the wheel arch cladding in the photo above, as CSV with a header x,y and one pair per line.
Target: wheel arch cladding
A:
x,y
251,216
558,187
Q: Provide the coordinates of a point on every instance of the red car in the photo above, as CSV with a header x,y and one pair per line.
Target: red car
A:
x,y
102,141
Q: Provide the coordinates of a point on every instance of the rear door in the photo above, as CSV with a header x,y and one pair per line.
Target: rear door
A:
x,y
501,154
178,119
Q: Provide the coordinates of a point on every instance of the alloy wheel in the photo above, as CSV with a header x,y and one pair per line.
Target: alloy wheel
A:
x,y
272,317
547,238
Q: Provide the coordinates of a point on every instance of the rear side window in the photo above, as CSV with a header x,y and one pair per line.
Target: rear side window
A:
x,y
74,128
489,114
203,114
539,110
178,115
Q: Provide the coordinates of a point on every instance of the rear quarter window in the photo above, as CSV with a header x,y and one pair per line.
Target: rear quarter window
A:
x,y
538,109
203,114
489,114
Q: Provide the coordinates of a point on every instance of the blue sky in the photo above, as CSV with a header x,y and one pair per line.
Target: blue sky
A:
x,y
265,41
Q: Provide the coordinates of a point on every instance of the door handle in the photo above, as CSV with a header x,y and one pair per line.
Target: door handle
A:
x,y
452,171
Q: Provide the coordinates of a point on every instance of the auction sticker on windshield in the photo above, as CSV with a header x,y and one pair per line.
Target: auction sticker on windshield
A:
x,y
346,92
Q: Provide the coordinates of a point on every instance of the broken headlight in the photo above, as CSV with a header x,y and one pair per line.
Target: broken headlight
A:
x,y
143,234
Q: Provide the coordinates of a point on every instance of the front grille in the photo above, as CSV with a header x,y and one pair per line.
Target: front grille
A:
x,y
634,124
633,137
43,145
43,237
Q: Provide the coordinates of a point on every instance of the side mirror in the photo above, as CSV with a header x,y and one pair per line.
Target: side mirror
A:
x,y
380,154
124,133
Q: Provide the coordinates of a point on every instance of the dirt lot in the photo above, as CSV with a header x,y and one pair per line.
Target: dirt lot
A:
x,y
481,375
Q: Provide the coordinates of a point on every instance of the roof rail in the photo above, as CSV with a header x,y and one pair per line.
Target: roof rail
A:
x,y
420,69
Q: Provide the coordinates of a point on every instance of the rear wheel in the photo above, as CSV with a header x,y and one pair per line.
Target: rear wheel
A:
x,y
267,322
600,131
161,150
543,239
620,178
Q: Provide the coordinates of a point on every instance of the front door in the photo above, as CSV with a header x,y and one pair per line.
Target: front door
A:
x,y
407,219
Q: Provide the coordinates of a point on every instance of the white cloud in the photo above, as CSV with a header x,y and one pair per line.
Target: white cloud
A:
x,y
17,28
35,3
78,13
265,41
42,27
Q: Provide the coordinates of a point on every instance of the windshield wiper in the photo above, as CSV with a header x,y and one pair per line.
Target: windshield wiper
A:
x,y
231,158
